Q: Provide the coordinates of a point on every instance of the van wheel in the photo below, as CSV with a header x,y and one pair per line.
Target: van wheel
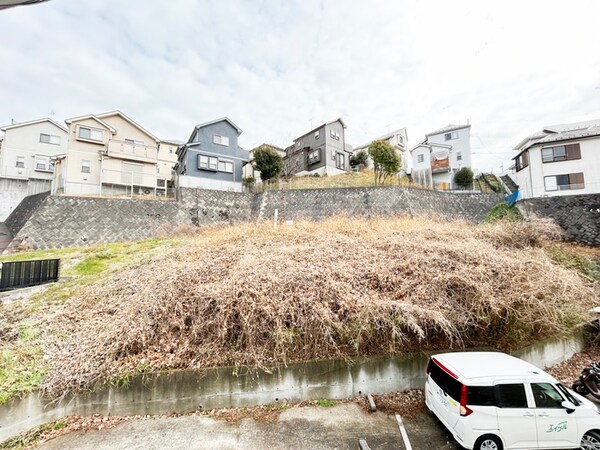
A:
x,y
489,442
590,441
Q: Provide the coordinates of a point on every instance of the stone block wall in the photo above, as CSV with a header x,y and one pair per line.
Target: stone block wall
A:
x,y
577,215
63,221
22,213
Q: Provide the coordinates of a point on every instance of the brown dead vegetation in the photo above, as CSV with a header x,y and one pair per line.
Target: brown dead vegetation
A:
x,y
253,296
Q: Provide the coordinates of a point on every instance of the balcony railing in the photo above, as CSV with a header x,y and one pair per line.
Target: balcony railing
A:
x,y
132,151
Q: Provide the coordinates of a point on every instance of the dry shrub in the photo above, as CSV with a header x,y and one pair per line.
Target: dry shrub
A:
x,y
251,295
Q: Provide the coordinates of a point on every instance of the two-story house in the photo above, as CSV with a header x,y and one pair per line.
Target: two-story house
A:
x,y
108,154
322,150
559,160
397,139
444,152
27,152
250,170
167,158
212,158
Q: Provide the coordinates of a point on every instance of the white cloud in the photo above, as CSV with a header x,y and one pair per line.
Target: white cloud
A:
x,y
276,68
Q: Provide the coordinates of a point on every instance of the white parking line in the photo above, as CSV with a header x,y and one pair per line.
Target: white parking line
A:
x,y
403,432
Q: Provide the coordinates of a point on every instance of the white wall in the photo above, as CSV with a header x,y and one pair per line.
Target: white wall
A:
x,y
185,181
531,178
461,145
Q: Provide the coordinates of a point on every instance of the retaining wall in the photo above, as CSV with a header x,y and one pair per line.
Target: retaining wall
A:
x,y
13,191
187,390
63,221
577,215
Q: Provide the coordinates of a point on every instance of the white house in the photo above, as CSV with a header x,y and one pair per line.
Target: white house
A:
x,y
441,155
396,139
559,160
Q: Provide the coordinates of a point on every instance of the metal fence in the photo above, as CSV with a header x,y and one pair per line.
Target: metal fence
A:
x,y
16,274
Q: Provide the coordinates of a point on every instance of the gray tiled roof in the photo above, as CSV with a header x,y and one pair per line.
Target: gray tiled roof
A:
x,y
447,129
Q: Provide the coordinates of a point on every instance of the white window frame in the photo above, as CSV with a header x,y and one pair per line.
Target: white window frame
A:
x,y
228,165
451,136
20,163
44,164
46,138
133,142
458,156
316,135
340,161
221,140
206,162
420,158
86,166
314,156
99,134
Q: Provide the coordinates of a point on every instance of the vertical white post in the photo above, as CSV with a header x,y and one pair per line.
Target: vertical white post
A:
x,y
132,184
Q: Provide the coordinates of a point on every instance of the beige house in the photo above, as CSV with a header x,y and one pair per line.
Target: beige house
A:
x,y
249,169
109,154
167,157
27,149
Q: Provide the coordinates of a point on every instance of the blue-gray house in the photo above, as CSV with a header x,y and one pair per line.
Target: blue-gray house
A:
x,y
211,158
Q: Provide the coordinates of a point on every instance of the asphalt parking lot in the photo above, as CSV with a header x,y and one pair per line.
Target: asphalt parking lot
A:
x,y
337,427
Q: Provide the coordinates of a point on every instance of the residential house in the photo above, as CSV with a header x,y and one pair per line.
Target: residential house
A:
x,y
559,160
398,140
167,158
108,154
322,150
250,170
27,150
212,158
444,152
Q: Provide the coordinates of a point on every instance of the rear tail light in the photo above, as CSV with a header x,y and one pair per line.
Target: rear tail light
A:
x,y
464,409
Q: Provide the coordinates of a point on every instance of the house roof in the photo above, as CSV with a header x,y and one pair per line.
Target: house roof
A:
x,y
448,128
128,119
226,119
172,141
381,138
93,117
339,119
32,122
429,145
560,133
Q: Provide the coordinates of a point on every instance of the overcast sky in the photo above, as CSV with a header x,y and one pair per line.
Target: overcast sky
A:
x,y
276,68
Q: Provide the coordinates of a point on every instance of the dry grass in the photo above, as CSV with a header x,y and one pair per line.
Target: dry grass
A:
x,y
251,295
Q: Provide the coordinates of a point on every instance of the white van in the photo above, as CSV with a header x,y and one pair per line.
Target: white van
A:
x,y
493,401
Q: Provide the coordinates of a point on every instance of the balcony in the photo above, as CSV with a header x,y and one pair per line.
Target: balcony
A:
x,y
132,151
440,165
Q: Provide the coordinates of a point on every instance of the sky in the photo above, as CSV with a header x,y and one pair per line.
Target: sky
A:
x,y
279,68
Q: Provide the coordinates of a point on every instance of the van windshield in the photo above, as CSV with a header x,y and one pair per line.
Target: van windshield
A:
x,y
564,391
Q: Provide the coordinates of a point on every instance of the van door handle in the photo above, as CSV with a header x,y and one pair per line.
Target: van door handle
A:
x,y
528,414
543,414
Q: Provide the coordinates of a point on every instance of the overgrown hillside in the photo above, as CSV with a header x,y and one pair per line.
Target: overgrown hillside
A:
x,y
252,295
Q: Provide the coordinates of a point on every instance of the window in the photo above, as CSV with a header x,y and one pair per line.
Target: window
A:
x,y
314,156
171,150
511,396
40,164
480,396
458,156
400,139
85,166
568,395
226,166
561,153
546,396
133,142
316,135
420,158
451,386
20,162
451,136
221,140
207,163
522,161
341,161
49,139
91,134
334,135
564,182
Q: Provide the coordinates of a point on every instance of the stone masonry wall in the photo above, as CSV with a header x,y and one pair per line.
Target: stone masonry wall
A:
x,y
577,215
21,214
61,221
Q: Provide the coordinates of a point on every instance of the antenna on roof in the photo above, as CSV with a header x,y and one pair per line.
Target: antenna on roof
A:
x,y
12,121
468,122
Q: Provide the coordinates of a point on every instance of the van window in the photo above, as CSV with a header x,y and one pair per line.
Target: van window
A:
x,y
511,396
568,395
480,396
546,396
450,385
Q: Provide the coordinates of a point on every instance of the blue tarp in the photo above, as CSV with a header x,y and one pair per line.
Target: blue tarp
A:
x,y
512,198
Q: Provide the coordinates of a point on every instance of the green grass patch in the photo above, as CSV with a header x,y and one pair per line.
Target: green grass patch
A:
x,y
503,212
572,260
29,438
325,403
21,371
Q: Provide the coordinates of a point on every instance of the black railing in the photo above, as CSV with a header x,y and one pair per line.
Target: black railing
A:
x,y
16,274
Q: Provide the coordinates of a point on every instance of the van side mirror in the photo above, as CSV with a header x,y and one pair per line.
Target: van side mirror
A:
x,y
570,407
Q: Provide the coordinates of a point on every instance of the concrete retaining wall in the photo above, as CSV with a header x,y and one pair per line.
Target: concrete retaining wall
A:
x,y
186,390
64,221
12,192
577,215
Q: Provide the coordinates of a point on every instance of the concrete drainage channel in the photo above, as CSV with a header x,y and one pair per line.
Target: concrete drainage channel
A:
x,y
185,390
